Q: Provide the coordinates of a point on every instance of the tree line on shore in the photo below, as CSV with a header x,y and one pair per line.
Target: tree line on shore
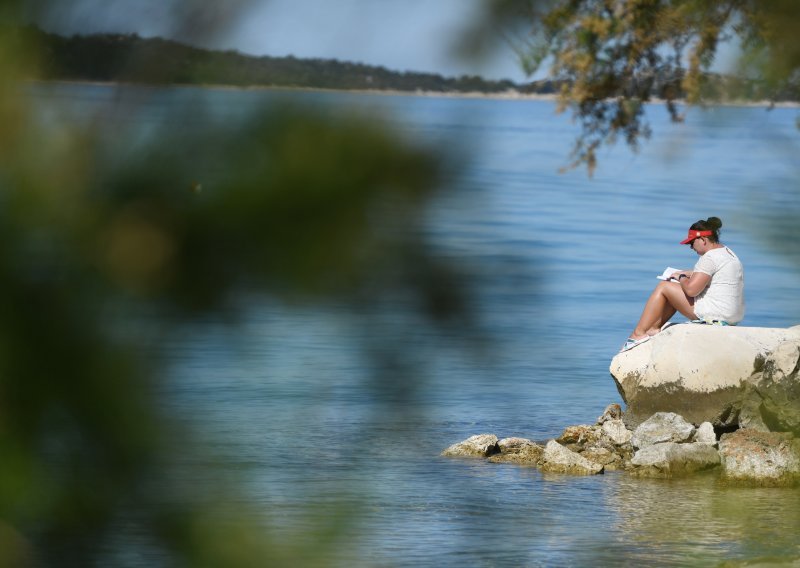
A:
x,y
133,59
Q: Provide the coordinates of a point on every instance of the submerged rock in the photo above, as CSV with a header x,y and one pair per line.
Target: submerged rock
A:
x,y
478,446
769,458
519,451
558,459
662,427
671,458
697,371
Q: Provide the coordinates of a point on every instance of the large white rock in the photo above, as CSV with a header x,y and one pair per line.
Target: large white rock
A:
x,y
697,371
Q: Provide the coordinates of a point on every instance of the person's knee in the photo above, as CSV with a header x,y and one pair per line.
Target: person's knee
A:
x,y
663,286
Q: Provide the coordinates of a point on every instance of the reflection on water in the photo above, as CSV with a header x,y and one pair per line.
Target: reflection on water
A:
x,y
696,520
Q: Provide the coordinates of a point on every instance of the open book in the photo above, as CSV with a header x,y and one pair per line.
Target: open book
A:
x,y
668,271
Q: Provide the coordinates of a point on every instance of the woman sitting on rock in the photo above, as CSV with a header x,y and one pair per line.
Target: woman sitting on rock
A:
x,y
711,293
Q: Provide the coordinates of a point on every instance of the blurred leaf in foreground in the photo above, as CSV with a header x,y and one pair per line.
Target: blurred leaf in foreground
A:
x,y
101,227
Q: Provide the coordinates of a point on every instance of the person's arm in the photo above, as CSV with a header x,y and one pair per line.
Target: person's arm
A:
x,y
694,283
677,275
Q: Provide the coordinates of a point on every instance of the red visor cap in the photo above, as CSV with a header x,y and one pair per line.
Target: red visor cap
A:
x,y
692,235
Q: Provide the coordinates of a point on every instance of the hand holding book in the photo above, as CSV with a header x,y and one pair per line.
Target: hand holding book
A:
x,y
668,274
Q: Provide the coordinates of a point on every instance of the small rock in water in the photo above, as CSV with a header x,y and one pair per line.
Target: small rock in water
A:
x,y
672,458
559,459
705,434
520,451
770,458
478,446
600,455
662,427
616,431
578,434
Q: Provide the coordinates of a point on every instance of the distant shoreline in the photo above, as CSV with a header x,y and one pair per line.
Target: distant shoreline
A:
x,y
127,59
503,95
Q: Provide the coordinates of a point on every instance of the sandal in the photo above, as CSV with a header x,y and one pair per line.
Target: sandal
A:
x,y
630,343
710,322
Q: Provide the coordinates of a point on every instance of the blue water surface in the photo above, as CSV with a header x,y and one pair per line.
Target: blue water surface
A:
x,y
559,266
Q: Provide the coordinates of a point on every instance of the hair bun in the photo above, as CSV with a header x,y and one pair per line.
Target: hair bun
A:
x,y
714,222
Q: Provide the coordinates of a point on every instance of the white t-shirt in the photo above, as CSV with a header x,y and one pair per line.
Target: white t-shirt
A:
x,y
723,298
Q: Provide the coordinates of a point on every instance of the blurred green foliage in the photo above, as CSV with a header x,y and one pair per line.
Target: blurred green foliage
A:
x,y
99,232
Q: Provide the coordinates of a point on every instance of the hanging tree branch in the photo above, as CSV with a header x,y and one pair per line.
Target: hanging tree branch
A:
x,y
609,57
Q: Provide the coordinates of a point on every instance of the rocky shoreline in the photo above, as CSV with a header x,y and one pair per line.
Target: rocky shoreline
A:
x,y
665,445
699,398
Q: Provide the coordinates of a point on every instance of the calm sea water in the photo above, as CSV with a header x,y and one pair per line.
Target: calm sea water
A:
x,y
559,265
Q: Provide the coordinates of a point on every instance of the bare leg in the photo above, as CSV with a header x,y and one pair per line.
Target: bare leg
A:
x,y
668,312
666,299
